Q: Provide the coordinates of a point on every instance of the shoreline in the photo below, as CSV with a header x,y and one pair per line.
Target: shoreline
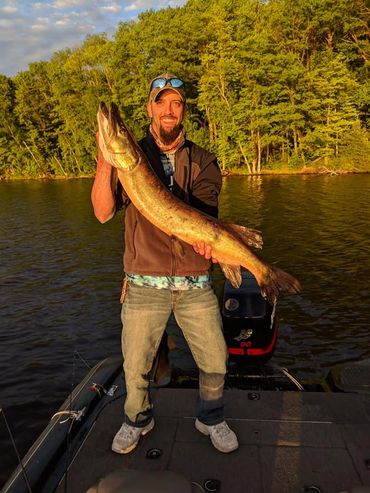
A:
x,y
281,172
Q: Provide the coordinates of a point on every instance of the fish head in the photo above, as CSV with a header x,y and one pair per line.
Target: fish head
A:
x,y
116,140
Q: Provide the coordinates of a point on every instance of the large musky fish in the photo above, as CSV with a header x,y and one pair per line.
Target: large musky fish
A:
x,y
230,243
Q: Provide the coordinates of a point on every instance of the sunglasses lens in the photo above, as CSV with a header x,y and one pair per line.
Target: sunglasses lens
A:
x,y
158,83
161,83
176,82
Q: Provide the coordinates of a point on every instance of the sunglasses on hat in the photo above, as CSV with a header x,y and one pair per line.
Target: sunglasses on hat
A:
x,y
162,82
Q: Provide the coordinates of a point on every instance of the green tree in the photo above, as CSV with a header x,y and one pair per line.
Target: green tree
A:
x,y
80,80
12,151
219,88
332,111
35,109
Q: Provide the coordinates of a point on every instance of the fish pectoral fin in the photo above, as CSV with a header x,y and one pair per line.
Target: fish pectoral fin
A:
x,y
249,236
232,273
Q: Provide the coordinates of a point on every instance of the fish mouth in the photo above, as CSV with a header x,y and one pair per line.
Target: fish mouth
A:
x,y
103,108
112,117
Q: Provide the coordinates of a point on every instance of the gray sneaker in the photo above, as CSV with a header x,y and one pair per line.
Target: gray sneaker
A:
x,y
128,437
222,438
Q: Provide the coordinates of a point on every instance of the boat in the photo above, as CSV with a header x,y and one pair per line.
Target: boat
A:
x,y
309,437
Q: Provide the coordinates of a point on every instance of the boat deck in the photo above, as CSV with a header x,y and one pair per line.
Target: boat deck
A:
x,y
290,442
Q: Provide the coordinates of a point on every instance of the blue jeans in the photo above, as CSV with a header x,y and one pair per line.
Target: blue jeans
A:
x,y
145,313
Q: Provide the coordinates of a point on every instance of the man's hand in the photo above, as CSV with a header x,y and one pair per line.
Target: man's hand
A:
x,y
205,250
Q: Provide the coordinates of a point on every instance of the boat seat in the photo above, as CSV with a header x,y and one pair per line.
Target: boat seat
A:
x,y
137,481
358,489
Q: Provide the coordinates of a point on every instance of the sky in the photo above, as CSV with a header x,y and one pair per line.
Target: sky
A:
x,y
32,31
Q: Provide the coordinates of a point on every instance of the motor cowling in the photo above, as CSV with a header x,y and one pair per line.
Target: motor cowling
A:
x,y
249,321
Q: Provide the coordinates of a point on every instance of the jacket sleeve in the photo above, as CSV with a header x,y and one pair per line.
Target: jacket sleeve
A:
x,y
206,185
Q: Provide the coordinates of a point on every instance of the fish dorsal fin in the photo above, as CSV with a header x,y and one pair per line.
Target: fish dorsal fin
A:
x,y
232,273
249,236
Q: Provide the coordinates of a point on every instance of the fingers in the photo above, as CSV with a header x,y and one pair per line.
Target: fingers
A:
x,y
205,250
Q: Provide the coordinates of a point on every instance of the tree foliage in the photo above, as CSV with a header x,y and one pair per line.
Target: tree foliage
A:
x,y
269,84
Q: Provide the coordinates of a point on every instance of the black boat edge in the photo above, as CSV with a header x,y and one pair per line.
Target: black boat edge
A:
x,y
45,462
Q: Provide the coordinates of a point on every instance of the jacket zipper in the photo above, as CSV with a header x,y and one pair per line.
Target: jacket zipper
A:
x,y
173,258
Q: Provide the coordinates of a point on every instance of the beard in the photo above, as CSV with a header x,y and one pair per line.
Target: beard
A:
x,y
168,137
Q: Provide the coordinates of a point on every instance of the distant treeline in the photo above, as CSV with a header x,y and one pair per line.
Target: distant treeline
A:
x,y
271,84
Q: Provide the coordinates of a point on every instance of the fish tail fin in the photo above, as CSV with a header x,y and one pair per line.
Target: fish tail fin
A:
x,y
232,273
249,236
276,281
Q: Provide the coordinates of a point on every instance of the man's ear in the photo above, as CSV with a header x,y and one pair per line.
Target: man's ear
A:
x,y
149,109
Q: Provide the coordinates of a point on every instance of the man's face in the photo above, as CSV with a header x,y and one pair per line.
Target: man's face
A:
x,y
167,113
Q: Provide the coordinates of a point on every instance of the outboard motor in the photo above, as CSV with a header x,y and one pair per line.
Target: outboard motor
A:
x,y
250,325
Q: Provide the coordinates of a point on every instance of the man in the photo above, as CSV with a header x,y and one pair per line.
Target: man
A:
x,y
162,277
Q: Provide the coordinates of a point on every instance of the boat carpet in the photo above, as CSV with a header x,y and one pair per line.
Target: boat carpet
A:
x,y
290,442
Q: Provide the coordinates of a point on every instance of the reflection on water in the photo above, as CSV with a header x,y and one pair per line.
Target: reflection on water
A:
x,y
61,275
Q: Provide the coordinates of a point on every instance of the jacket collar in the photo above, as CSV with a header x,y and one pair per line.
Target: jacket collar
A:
x,y
178,144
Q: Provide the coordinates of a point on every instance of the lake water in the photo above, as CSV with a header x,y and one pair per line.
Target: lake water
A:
x,y
61,276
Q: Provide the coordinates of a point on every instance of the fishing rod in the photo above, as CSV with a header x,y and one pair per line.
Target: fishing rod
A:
x,y
68,436
16,452
72,415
